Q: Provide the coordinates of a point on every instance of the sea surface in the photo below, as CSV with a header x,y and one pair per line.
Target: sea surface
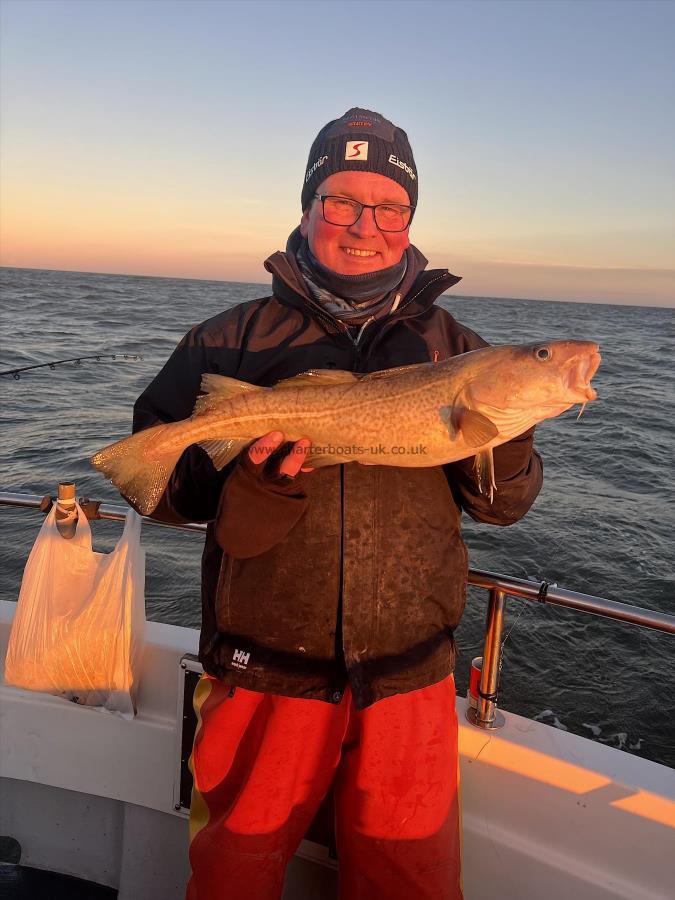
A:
x,y
603,524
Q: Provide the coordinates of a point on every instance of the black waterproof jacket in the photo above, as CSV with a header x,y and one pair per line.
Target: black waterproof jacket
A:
x,y
350,574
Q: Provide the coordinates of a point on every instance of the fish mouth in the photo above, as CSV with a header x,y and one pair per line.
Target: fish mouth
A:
x,y
579,372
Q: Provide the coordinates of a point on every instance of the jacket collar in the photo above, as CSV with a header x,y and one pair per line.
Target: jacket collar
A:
x,y
420,286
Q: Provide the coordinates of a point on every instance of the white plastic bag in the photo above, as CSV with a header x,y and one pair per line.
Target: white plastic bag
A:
x,y
78,628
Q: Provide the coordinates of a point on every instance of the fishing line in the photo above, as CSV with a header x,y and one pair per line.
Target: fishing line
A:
x,y
508,634
78,360
545,585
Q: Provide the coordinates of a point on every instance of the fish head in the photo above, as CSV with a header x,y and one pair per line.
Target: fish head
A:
x,y
535,381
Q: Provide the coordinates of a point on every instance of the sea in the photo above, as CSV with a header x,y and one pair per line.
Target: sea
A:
x,y
603,523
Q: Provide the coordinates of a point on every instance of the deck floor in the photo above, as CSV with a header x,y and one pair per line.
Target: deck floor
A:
x,y
23,883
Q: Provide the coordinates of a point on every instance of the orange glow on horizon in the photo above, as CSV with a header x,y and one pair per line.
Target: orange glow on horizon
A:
x,y
132,232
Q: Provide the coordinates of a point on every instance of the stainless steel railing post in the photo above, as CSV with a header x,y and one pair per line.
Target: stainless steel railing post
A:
x,y
486,715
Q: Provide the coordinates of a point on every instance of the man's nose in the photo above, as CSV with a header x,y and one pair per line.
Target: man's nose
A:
x,y
365,224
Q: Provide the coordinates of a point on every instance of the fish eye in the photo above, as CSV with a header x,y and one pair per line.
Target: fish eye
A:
x,y
542,353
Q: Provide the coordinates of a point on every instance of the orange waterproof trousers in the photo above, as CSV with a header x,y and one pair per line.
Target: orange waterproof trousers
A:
x,y
262,764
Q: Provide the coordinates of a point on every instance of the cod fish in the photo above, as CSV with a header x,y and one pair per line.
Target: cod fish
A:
x,y
419,415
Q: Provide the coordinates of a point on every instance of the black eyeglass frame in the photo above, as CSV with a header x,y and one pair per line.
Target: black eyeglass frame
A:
x,y
324,197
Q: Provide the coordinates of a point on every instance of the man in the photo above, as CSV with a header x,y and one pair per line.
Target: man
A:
x,y
330,597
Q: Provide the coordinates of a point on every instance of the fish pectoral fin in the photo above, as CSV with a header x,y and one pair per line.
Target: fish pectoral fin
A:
x,y
484,467
475,428
224,451
318,376
217,388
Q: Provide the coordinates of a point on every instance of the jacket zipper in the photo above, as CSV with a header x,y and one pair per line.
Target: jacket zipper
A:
x,y
422,290
389,320
339,634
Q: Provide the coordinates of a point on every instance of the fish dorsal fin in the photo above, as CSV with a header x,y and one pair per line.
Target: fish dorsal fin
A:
x,y
475,428
217,388
398,370
313,377
223,386
340,376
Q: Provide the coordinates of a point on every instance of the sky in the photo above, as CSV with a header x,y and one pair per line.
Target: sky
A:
x,y
171,138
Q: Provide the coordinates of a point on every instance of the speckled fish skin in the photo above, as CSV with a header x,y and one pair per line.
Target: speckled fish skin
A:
x,y
421,415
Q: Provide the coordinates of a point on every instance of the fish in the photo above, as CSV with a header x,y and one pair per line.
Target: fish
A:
x,y
425,414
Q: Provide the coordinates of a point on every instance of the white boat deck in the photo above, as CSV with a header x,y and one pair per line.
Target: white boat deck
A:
x,y
545,813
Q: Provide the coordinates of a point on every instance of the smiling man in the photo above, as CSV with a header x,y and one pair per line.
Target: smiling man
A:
x,y
349,240
330,598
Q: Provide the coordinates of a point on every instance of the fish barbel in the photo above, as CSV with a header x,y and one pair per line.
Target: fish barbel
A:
x,y
427,414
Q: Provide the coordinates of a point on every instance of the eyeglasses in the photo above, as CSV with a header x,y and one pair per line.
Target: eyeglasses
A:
x,y
346,212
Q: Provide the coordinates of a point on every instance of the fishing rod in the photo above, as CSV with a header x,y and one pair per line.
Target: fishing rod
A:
x,y
16,373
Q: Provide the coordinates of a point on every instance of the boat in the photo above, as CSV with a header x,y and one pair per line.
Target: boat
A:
x,y
93,805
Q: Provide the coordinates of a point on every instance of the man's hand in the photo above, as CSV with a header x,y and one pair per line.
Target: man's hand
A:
x,y
292,462
264,497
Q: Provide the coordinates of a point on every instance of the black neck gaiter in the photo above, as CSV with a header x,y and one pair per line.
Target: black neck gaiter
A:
x,y
356,290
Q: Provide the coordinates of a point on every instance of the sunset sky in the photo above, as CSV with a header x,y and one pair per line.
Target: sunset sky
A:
x,y
171,138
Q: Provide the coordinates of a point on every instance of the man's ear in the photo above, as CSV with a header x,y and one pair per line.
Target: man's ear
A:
x,y
304,222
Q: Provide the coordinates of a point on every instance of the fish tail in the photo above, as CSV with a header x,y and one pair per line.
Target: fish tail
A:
x,y
140,466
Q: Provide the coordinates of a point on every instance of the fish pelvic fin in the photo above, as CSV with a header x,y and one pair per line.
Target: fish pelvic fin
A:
x,y
224,451
137,466
484,469
217,388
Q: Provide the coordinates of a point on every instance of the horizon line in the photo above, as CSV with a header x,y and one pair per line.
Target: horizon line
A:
x,y
268,283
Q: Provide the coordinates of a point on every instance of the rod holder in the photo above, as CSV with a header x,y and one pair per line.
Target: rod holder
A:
x,y
66,491
66,513
485,713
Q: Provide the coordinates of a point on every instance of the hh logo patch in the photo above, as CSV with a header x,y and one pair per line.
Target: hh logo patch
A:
x,y
357,150
240,659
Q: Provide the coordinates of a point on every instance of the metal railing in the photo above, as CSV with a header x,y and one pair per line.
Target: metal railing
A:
x,y
484,714
115,512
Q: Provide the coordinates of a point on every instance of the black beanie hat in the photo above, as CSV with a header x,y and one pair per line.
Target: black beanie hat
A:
x,y
360,141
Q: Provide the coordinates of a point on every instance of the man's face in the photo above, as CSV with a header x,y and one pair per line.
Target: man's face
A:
x,y
332,245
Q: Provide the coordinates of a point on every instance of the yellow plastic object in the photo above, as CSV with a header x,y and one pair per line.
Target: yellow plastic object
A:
x,y
78,628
